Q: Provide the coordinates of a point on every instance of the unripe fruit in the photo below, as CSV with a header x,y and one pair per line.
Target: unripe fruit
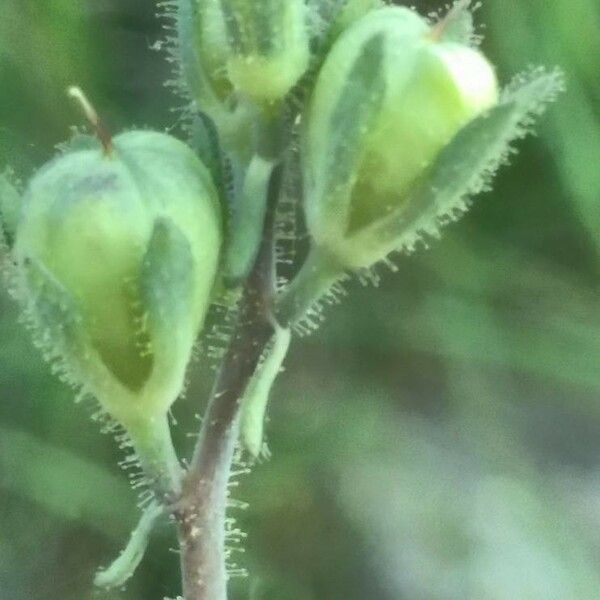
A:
x,y
212,42
118,255
351,11
390,96
266,47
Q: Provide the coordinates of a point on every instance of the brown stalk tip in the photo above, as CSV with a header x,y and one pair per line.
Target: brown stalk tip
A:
x,y
91,115
438,30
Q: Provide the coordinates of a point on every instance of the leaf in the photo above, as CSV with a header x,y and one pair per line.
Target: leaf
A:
x,y
247,222
51,313
334,154
193,79
465,167
256,398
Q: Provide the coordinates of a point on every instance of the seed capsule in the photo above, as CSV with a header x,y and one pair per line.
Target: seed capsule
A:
x,y
391,95
117,255
262,47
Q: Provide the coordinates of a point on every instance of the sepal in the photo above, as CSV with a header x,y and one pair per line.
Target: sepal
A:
x,y
167,280
464,168
256,397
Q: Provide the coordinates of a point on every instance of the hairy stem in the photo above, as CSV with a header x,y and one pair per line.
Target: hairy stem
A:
x,y
201,511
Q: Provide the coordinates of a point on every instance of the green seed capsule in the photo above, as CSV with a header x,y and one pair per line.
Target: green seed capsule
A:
x,y
267,44
117,255
391,95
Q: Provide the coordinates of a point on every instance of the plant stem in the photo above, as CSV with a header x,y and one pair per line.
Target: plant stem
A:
x,y
256,397
201,511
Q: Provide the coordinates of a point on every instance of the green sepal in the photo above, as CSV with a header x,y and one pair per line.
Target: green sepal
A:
x,y
256,397
193,71
350,12
10,206
59,330
52,314
204,141
464,167
247,222
358,106
167,280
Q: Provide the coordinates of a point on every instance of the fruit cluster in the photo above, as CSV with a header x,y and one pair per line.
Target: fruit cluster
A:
x,y
120,245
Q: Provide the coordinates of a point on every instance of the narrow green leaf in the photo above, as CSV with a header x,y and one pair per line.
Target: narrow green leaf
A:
x,y
123,568
256,398
51,312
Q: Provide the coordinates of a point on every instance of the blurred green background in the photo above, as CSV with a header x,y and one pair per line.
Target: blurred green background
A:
x,y
437,439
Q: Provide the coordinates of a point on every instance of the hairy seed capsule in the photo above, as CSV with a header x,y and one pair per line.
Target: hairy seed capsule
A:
x,y
267,44
391,94
117,255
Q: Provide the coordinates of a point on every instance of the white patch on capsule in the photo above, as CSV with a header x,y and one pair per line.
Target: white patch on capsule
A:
x,y
473,74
